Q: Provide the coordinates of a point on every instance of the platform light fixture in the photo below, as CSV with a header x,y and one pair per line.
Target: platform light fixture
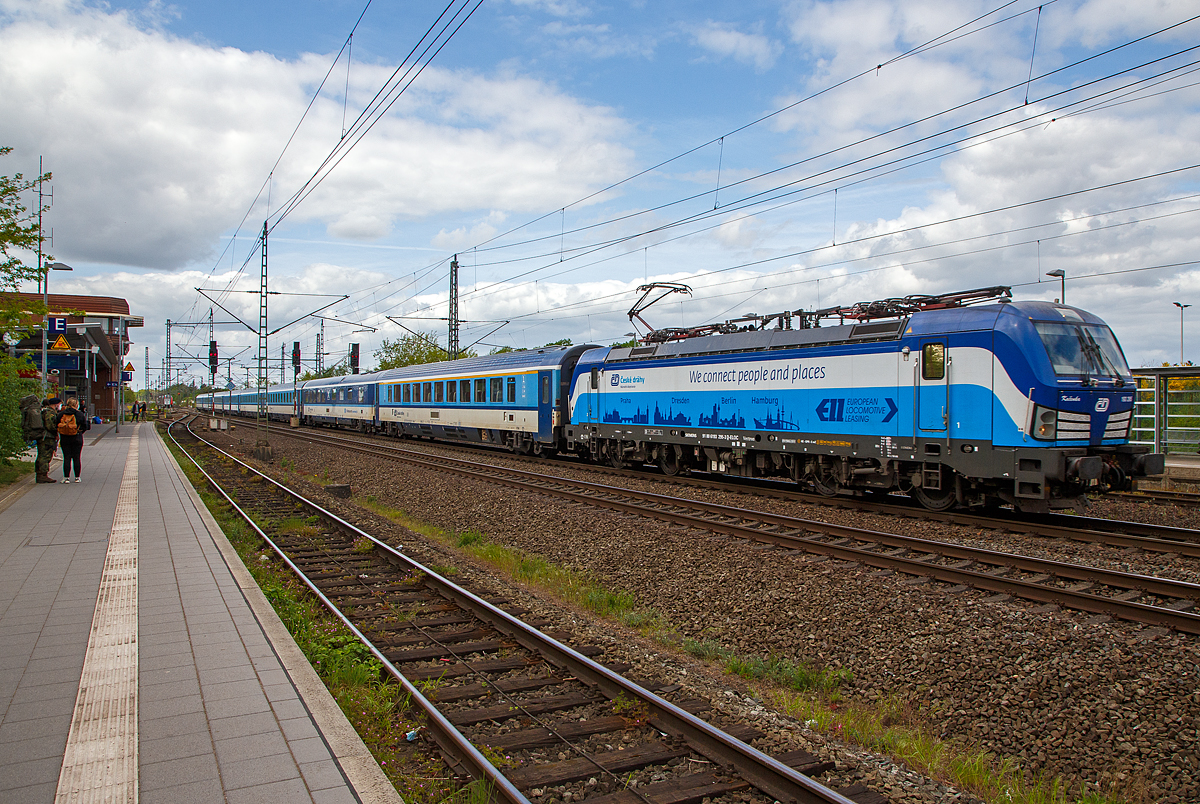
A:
x,y
1062,278
1181,307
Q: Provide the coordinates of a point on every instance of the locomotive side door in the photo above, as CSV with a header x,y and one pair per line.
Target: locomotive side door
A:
x,y
933,403
545,399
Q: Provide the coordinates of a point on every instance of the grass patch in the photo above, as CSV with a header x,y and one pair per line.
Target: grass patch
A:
x,y
11,471
776,669
894,726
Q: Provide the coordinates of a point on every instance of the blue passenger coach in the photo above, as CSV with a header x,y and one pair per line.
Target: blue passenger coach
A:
x,y
516,399
1027,403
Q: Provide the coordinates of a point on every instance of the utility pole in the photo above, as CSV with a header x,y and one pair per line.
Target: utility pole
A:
x,y
43,277
147,364
452,345
167,389
262,448
321,349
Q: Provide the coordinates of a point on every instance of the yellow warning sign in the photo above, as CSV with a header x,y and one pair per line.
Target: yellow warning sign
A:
x,y
128,367
61,343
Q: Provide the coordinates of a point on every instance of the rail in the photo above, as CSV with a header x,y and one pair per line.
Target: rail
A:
x,y
764,772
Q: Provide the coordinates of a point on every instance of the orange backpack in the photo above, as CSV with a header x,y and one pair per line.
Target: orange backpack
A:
x,y
67,424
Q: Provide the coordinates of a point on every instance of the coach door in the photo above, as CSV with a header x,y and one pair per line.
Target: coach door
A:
x,y
545,405
933,403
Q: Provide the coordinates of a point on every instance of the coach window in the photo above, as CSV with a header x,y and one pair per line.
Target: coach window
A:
x,y
512,389
481,390
933,361
464,390
407,393
427,393
438,396
545,399
451,391
496,389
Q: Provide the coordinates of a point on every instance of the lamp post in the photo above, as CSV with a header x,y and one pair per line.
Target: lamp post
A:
x,y
1062,277
1181,307
94,350
54,266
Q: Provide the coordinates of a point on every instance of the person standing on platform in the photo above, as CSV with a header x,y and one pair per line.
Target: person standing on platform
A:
x,y
47,440
71,425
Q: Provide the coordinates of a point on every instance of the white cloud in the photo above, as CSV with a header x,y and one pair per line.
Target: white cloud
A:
x,y
158,144
725,41
596,41
558,8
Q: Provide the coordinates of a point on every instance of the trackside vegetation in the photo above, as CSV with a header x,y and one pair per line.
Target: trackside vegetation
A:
x,y
893,726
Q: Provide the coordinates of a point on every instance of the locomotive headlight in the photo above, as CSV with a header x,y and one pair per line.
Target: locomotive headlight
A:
x,y
1045,423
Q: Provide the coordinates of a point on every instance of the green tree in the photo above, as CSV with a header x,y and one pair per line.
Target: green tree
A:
x,y
19,231
336,370
411,350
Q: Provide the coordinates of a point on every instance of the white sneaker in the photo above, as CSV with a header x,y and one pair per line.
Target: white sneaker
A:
x,y
76,480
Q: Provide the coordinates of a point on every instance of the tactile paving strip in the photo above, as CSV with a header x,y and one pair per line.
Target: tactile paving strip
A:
x,y
101,762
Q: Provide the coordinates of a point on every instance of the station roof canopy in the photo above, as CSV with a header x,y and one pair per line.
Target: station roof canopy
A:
x,y
92,306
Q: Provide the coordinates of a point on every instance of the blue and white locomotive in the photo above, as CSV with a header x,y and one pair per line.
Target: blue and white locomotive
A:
x,y
1019,402
1026,403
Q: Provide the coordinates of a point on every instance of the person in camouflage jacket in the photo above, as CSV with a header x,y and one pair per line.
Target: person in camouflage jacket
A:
x,y
47,441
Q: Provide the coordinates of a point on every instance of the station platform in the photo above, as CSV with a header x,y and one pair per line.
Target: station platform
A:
x,y
138,659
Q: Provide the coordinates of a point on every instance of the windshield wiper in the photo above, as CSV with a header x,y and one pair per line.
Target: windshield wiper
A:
x,y
1099,354
1086,353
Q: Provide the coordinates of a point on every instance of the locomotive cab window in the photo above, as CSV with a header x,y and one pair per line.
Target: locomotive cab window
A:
x,y
933,361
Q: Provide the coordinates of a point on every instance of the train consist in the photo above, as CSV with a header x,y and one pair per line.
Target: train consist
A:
x,y
968,399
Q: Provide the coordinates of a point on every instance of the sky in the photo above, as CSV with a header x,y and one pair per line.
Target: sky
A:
x,y
771,156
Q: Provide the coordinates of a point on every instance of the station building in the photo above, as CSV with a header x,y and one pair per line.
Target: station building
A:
x,y
86,361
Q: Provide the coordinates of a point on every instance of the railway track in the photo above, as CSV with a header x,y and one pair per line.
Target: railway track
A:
x,y
1185,498
504,702
1127,596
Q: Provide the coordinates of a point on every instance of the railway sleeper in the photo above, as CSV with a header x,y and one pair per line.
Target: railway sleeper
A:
x,y
504,685
533,706
573,770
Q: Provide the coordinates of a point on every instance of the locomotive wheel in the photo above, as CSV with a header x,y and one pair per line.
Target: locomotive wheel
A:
x,y
615,460
935,500
825,483
668,461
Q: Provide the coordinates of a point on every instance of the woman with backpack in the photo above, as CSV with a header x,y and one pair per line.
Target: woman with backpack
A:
x,y
71,425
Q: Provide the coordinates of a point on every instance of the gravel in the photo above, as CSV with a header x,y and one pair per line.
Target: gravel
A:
x,y
1107,704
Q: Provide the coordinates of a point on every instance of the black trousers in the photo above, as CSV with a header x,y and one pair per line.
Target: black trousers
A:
x,y
71,447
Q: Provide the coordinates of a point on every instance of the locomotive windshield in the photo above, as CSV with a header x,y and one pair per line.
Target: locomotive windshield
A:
x,y
1082,349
